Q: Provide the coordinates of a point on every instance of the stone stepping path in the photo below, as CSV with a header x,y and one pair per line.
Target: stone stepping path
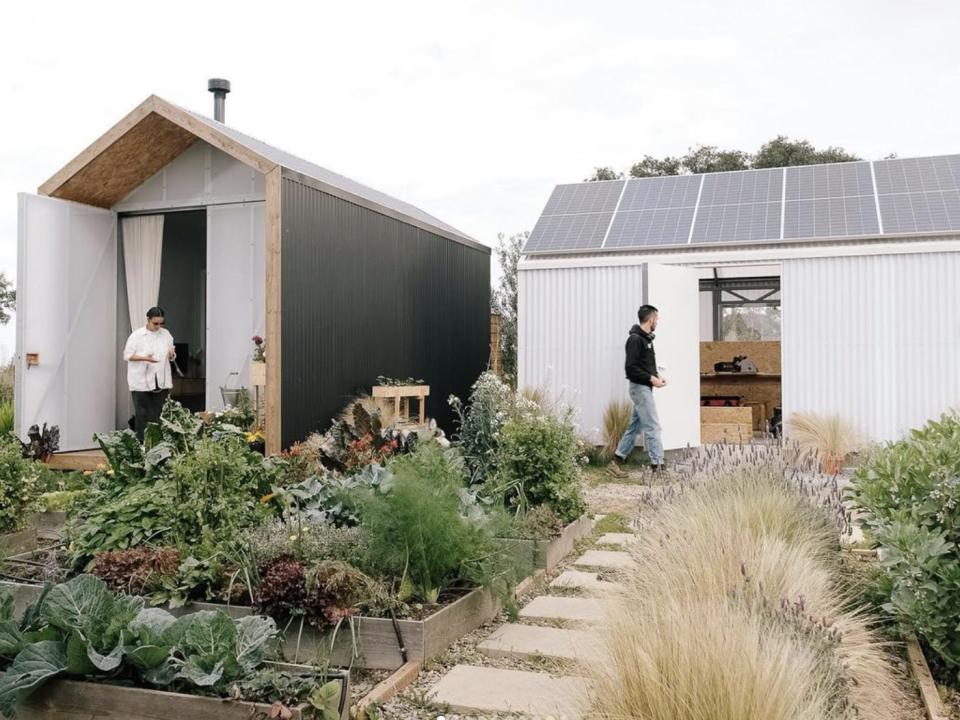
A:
x,y
530,641
586,581
471,689
607,559
621,539
572,609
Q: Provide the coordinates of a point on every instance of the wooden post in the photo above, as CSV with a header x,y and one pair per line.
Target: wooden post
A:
x,y
496,357
272,392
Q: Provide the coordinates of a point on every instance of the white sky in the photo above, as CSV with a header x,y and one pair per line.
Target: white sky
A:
x,y
475,110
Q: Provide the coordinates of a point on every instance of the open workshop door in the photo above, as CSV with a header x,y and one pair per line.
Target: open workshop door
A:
x,y
66,319
675,291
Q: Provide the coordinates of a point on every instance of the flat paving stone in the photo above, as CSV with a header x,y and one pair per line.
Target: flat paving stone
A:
x,y
527,641
587,581
611,559
575,609
471,689
617,539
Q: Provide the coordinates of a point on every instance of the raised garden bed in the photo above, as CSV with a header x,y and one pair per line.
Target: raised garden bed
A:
x,y
380,643
69,699
50,524
18,542
547,554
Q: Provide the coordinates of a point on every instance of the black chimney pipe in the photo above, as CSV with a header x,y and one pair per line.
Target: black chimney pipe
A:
x,y
219,87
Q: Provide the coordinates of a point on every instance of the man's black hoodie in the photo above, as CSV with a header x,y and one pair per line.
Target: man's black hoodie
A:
x,y
641,362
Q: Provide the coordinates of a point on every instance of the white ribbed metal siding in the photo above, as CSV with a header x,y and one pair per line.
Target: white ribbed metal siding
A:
x,y
873,339
572,327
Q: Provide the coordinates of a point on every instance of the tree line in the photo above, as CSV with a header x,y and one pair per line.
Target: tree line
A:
x,y
779,152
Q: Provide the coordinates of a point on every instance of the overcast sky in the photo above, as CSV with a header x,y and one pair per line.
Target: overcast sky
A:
x,y
475,110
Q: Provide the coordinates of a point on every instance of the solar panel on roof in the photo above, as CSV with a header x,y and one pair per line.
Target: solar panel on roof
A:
x,y
584,231
576,217
739,206
584,198
829,201
839,200
664,226
919,194
654,211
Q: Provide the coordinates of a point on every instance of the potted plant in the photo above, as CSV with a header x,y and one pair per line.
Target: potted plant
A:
x,y
258,365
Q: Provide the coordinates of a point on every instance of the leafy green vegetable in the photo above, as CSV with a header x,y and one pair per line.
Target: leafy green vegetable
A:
x,y
33,666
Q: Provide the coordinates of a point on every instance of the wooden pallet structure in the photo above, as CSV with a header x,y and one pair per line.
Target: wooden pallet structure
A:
x,y
401,396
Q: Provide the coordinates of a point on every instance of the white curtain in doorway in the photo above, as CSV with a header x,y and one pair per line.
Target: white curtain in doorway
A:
x,y
142,249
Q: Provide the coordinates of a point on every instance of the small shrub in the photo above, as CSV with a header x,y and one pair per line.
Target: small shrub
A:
x,y
58,501
537,464
830,437
616,418
6,418
490,404
908,494
418,530
19,485
138,571
308,541
539,523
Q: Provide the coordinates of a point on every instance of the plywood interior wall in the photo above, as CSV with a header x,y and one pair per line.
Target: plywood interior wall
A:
x,y
765,354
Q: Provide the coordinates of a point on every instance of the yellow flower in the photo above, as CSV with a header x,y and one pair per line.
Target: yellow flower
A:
x,y
293,537
109,472
267,498
88,472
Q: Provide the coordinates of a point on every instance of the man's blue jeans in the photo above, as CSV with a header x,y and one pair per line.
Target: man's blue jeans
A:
x,y
644,420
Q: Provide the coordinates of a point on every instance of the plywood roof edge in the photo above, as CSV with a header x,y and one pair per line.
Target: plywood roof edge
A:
x,y
97,147
211,135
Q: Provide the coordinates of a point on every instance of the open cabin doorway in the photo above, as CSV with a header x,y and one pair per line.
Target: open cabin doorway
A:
x,y
740,353
182,295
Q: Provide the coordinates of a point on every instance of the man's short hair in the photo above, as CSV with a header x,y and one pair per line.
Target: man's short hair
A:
x,y
644,313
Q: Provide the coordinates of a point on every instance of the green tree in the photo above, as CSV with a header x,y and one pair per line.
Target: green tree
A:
x,y
784,152
708,159
504,300
604,173
656,167
8,299
779,152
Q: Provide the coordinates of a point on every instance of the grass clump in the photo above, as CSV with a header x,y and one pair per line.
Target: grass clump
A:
x,y
616,418
738,609
829,437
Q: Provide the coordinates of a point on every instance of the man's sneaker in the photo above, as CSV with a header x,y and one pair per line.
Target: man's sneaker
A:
x,y
614,469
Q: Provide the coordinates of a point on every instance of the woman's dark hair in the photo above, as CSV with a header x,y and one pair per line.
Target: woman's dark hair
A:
x,y
155,312
645,312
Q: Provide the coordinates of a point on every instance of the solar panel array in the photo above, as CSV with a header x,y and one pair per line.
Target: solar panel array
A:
x,y
811,202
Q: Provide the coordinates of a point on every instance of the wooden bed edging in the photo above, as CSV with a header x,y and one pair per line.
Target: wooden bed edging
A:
x,y
68,699
547,554
388,688
18,542
921,673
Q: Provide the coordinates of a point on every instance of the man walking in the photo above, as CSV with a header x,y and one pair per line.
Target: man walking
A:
x,y
641,368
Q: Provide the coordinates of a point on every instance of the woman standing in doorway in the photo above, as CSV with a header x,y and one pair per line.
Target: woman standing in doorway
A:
x,y
148,353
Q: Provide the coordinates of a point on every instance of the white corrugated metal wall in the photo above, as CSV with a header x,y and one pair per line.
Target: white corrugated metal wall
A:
x,y
574,322
572,326
874,339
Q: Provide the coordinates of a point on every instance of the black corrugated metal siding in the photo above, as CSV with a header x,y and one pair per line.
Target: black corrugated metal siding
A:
x,y
366,295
